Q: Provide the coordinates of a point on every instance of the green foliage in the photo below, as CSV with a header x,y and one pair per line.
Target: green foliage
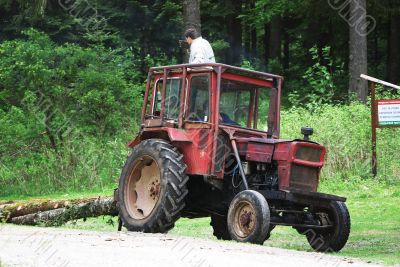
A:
x,y
219,47
345,131
147,27
274,66
319,80
151,29
94,163
161,60
251,64
68,86
267,9
247,64
64,111
17,130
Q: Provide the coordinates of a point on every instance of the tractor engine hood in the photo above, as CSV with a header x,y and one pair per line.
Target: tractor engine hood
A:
x,y
267,150
298,161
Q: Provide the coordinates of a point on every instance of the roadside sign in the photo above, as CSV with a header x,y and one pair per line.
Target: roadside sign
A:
x,y
384,114
388,113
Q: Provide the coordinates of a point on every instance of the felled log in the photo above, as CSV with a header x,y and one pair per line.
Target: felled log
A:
x,y
6,202
17,209
57,217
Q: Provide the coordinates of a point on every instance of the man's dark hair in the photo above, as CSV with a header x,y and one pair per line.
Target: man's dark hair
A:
x,y
192,33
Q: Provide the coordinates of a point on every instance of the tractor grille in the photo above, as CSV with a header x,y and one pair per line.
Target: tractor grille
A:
x,y
304,178
308,154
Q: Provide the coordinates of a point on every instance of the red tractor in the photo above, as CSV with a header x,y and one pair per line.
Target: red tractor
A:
x,y
209,146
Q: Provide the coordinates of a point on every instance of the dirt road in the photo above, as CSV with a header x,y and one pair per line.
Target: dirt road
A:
x,y
28,246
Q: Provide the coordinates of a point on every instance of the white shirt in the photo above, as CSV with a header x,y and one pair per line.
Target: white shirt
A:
x,y
201,52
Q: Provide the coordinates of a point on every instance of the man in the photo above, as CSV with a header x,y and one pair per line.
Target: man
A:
x,y
200,49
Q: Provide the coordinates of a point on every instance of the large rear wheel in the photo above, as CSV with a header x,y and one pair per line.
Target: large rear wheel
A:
x,y
152,187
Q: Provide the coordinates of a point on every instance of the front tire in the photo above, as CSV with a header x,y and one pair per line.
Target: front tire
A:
x,y
152,187
335,238
249,217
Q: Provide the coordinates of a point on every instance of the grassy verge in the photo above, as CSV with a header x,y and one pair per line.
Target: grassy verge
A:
x,y
375,233
375,214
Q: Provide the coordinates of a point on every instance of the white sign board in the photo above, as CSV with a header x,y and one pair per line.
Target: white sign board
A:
x,y
388,112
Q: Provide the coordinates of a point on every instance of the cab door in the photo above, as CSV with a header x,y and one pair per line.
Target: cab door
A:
x,y
198,123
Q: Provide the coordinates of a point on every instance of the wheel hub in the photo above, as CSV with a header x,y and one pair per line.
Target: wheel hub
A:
x,y
143,188
155,190
245,219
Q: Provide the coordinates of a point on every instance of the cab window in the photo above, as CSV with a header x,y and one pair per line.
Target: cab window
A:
x,y
172,99
244,105
199,99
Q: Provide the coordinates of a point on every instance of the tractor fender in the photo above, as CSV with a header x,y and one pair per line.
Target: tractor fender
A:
x,y
167,134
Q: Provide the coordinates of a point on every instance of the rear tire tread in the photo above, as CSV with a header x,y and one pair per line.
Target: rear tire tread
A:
x,y
173,169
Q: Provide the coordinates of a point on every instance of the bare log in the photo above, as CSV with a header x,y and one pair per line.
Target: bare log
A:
x,y
17,209
5,202
57,217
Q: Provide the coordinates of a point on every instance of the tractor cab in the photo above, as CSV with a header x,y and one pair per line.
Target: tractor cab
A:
x,y
213,95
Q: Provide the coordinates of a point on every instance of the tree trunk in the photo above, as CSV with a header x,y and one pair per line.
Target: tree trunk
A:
x,y
191,19
394,49
145,41
246,41
191,14
234,25
57,217
254,43
358,50
11,210
267,32
286,50
376,48
275,38
253,35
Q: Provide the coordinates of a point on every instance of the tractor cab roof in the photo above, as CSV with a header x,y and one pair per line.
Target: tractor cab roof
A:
x,y
217,67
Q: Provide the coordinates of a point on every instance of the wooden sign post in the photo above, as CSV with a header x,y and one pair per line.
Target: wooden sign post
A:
x,y
384,114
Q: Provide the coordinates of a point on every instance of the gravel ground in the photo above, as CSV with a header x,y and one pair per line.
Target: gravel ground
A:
x,y
33,246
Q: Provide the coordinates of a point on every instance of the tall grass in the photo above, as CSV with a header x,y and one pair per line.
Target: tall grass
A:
x,y
345,131
79,165
93,164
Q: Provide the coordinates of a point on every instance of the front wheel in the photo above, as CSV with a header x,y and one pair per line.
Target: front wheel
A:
x,y
335,238
152,187
249,217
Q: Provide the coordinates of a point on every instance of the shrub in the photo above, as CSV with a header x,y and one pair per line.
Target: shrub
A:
x,y
64,115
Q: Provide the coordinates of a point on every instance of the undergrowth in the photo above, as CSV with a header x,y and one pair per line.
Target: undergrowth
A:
x,y
94,164
345,131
